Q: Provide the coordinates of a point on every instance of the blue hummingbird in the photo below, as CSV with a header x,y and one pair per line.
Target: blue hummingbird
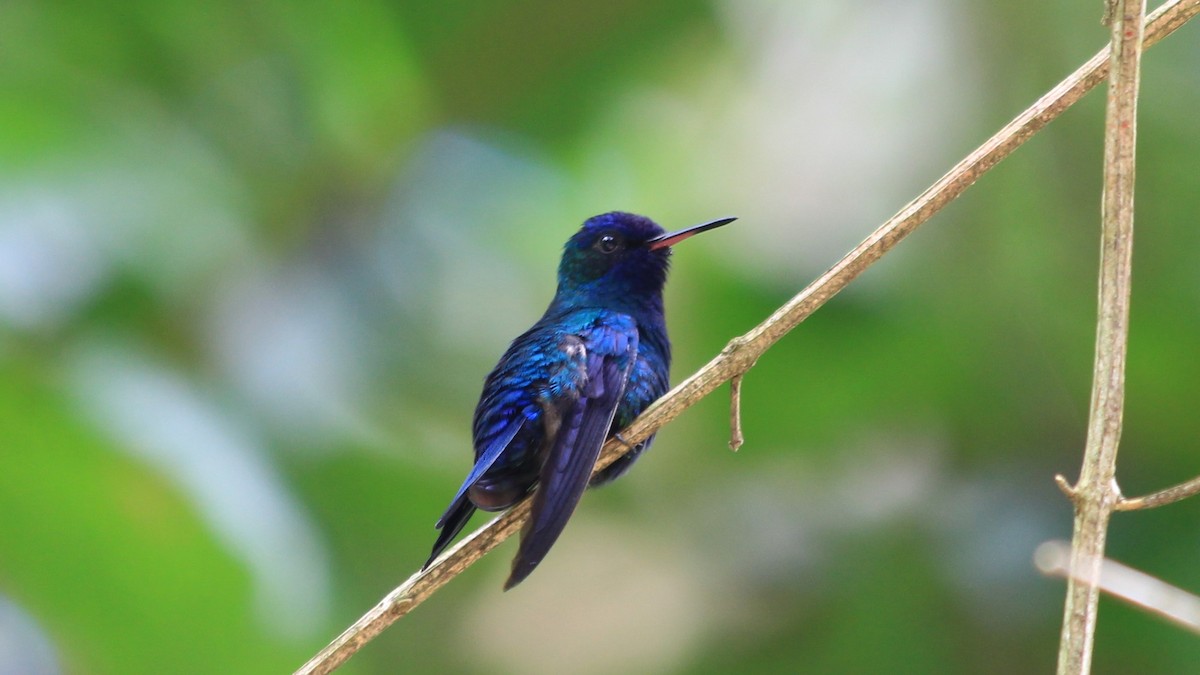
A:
x,y
595,360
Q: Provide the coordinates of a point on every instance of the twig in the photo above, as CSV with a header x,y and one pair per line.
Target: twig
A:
x,y
736,439
1096,492
1162,497
1133,586
741,353
1066,487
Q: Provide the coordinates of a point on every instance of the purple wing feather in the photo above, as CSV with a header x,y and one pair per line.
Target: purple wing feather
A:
x,y
585,422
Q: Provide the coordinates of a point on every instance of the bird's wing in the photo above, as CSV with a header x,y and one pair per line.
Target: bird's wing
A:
x,y
604,358
484,462
461,509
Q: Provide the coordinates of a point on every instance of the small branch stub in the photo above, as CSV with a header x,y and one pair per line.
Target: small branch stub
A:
x,y
736,439
1066,487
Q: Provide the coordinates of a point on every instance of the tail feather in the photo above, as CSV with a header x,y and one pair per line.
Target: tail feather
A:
x,y
461,509
451,524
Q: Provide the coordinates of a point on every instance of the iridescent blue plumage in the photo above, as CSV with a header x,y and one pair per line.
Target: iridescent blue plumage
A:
x,y
585,370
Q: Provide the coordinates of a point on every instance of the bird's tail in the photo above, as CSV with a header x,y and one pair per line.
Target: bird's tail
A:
x,y
451,524
461,509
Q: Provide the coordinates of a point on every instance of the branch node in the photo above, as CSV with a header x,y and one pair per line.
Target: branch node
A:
x,y
1131,504
1161,498
735,345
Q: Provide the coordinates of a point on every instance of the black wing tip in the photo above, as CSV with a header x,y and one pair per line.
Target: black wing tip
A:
x,y
438,547
450,524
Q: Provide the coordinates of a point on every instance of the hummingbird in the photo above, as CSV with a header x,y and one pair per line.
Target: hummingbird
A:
x,y
594,361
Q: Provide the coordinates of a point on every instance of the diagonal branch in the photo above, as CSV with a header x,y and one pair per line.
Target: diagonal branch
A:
x,y
1126,583
741,353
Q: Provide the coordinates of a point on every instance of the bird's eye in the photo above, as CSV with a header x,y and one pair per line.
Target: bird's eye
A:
x,y
608,244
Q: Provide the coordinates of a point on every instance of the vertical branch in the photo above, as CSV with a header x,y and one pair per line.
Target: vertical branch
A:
x,y
1096,494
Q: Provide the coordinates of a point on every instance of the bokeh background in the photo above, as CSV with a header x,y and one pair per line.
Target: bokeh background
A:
x,y
256,258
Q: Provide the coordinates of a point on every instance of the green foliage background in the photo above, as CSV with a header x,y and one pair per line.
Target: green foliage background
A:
x,y
255,259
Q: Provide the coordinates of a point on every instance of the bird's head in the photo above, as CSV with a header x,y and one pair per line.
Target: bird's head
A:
x,y
617,257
